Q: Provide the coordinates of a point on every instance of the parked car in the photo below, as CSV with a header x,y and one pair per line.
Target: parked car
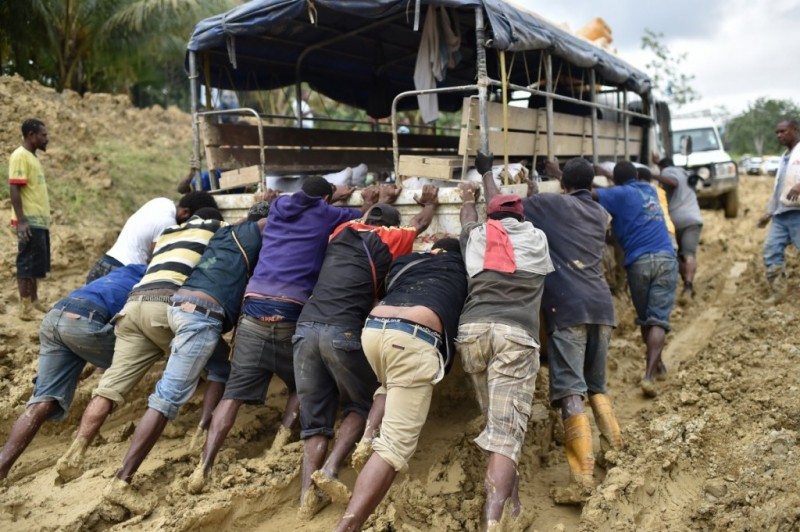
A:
x,y
753,166
770,165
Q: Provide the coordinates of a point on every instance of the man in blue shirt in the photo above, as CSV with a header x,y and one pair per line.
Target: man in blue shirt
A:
x,y
75,331
638,223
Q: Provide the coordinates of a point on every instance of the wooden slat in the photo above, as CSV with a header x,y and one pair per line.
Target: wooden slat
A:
x,y
430,167
215,135
290,161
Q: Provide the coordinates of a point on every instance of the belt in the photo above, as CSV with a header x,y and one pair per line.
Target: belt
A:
x,y
159,299
186,306
82,311
159,295
414,329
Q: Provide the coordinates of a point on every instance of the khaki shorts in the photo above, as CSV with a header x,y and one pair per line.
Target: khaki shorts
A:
x,y
502,362
406,368
143,338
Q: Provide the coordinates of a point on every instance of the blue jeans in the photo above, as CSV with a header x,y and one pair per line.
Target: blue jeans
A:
x,y
66,345
577,357
784,230
329,364
197,345
653,280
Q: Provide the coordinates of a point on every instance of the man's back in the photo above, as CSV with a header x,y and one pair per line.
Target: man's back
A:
x,y
490,292
638,220
683,207
293,245
141,230
576,292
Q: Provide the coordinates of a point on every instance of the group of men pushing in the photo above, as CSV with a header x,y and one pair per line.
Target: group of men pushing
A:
x,y
334,301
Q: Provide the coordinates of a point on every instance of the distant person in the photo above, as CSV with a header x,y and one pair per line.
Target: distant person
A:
x,y
507,259
408,341
304,115
579,315
783,209
135,242
75,331
30,214
684,212
638,224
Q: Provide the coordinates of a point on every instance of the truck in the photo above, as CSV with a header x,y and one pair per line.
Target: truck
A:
x,y
582,100
713,171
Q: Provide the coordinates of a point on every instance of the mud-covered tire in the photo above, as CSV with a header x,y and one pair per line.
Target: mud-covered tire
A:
x,y
731,203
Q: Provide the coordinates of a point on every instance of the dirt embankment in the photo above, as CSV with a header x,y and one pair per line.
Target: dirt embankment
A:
x,y
718,449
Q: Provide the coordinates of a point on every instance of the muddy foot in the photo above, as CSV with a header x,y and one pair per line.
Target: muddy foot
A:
x,y
361,454
198,438
70,466
281,439
333,487
648,388
121,493
313,503
661,372
197,480
510,523
571,494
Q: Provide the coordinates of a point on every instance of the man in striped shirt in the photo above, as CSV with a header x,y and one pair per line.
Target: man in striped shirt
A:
x,y
142,329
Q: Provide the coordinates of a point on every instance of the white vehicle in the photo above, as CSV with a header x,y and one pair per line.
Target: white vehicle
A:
x,y
716,174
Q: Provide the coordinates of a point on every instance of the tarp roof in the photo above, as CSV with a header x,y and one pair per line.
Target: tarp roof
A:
x,y
256,46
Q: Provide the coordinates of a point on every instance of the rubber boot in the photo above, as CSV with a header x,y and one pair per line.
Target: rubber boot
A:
x,y
606,421
776,276
578,441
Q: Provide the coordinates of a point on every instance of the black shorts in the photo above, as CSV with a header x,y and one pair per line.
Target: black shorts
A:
x,y
260,350
33,256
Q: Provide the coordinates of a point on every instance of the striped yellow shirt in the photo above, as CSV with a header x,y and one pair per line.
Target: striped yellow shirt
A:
x,y
176,253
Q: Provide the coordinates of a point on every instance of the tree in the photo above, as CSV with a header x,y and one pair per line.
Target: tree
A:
x,y
666,72
753,131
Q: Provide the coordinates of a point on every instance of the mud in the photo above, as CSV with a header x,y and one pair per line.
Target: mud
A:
x,y
716,449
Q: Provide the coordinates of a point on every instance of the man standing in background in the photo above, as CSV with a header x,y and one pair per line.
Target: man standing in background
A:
x,y
30,214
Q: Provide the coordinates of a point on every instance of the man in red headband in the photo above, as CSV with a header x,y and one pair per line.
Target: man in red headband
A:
x,y
507,259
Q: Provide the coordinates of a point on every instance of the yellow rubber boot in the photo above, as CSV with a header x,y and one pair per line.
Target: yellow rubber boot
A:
x,y
578,441
610,435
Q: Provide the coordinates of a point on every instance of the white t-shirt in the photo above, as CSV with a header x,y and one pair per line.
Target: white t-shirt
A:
x,y
134,242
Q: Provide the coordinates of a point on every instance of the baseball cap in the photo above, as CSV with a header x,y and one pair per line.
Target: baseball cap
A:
x,y
383,214
511,203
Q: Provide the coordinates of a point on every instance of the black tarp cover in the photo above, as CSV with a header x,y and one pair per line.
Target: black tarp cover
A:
x,y
256,46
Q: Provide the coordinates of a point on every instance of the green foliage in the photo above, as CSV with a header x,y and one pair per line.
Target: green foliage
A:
x,y
130,46
666,71
753,131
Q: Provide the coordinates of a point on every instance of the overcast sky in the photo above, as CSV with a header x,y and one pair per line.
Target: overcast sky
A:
x,y
739,50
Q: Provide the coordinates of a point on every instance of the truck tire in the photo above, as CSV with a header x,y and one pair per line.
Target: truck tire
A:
x,y
732,203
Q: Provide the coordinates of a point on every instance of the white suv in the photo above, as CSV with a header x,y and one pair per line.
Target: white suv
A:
x,y
715,172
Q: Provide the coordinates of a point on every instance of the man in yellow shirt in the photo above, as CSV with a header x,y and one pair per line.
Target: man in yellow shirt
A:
x,y
30,214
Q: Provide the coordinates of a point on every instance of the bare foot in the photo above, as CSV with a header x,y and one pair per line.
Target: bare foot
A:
x,y
70,466
509,522
313,502
198,438
571,494
361,454
121,493
661,372
281,439
333,487
648,388
197,480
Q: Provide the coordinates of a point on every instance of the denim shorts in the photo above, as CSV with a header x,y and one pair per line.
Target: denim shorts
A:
x,y
67,343
688,238
103,267
329,364
577,358
260,350
33,256
653,280
197,345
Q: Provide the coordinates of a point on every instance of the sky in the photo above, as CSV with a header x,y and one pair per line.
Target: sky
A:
x,y
738,50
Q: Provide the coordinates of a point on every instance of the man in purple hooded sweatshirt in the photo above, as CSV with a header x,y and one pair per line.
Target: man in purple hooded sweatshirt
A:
x,y
292,249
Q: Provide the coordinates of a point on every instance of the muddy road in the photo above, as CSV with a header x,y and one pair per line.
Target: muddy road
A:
x,y
717,449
